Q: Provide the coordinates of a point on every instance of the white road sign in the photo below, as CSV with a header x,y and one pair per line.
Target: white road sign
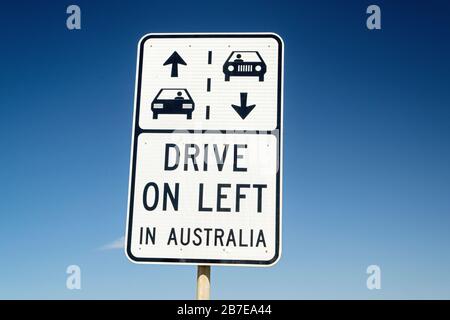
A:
x,y
205,176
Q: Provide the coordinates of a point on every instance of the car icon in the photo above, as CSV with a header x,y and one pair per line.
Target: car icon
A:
x,y
244,64
173,101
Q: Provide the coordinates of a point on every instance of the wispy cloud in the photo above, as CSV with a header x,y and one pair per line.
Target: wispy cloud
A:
x,y
116,244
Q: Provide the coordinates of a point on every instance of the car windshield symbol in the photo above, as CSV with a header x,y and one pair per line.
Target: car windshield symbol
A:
x,y
244,64
173,101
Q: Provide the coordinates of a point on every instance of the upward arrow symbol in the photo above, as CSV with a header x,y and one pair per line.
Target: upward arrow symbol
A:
x,y
174,60
243,110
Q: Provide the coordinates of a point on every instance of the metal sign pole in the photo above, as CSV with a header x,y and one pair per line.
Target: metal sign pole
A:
x,y
203,282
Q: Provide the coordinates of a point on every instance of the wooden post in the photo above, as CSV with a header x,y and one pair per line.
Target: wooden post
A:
x,y
203,282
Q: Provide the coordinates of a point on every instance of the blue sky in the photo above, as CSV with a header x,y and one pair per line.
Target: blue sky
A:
x,y
367,148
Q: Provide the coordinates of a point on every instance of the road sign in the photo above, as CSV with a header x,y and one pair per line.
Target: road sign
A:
x,y
205,176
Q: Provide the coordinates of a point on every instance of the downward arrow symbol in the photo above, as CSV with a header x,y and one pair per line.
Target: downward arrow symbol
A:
x,y
243,110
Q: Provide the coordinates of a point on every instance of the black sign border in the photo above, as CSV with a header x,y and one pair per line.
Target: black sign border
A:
x,y
138,131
